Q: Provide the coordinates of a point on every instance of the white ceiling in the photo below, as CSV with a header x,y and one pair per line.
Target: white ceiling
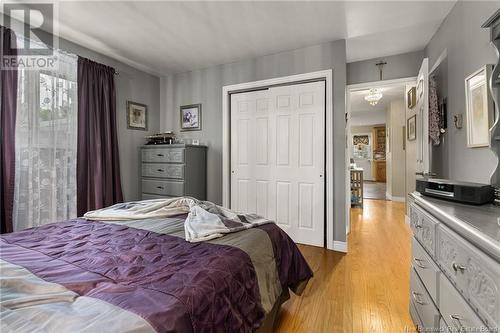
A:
x,y
390,93
166,37
364,114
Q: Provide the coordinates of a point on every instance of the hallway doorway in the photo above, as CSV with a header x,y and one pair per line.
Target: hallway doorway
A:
x,y
376,139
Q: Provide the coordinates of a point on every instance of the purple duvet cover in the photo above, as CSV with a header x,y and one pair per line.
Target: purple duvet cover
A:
x,y
144,274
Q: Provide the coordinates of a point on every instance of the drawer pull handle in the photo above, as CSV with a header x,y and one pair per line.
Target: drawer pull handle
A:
x,y
418,262
457,319
457,267
160,155
160,187
160,170
417,298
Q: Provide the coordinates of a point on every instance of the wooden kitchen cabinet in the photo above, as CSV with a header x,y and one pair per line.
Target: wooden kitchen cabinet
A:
x,y
379,173
378,134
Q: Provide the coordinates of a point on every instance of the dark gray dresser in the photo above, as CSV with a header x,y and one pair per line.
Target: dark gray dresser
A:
x,y
173,170
455,273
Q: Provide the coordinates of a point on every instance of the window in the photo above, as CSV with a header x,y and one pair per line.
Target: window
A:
x,y
46,134
56,98
361,146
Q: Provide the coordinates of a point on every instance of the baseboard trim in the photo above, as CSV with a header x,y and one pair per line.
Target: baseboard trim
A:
x,y
391,198
340,246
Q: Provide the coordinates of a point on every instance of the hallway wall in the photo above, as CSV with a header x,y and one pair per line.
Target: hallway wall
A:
x,y
398,66
395,154
468,48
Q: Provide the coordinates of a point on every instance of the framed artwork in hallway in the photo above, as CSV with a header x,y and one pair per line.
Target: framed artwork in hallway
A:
x,y
479,107
412,128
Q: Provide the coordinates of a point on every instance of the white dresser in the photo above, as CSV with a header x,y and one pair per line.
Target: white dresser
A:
x,y
173,170
455,274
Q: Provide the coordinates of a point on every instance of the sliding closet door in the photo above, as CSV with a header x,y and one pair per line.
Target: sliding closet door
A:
x,y
277,157
251,168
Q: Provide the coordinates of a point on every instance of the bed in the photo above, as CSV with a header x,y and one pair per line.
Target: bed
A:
x,y
141,275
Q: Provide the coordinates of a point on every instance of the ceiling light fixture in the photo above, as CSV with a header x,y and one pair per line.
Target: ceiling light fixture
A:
x,y
373,96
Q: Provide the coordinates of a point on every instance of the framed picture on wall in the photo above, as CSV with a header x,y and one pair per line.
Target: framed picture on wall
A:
x,y
191,117
412,97
137,116
479,107
411,128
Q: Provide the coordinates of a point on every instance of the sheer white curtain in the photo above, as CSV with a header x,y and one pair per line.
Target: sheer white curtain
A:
x,y
46,143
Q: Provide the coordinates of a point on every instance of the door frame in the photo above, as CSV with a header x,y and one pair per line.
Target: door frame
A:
x,y
349,89
327,76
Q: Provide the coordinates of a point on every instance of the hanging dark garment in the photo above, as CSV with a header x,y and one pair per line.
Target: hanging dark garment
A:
x,y
434,113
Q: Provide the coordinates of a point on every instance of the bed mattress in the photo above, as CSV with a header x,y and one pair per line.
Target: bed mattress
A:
x,y
142,276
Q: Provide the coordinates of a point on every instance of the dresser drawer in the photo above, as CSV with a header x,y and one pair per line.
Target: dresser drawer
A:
x,y
171,155
163,170
163,187
424,227
414,315
424,306
426,268
474,274
455,311
443,326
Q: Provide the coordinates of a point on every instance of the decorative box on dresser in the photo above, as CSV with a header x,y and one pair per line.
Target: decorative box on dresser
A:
x,y
455,273
173,170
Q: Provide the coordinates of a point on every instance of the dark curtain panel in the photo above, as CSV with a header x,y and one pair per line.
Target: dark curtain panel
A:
x,y
98,170
8,103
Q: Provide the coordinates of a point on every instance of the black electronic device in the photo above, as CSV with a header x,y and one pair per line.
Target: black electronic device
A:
x,y
465,192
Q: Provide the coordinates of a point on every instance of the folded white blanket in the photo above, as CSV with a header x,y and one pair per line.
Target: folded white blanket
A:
x,y
205,219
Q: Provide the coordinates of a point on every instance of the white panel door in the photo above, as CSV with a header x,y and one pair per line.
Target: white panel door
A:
x,y
250,140
278,157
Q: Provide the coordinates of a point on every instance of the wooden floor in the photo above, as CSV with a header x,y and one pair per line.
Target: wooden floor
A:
x,y
366,290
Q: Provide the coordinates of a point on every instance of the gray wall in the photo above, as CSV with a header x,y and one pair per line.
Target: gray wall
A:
x,y
205,87
395,154
439,154
131,85
468,49
398,66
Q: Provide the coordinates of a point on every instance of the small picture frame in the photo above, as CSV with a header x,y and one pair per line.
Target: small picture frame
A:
x,y
412,97
479,107
190,117
137,116
411,126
